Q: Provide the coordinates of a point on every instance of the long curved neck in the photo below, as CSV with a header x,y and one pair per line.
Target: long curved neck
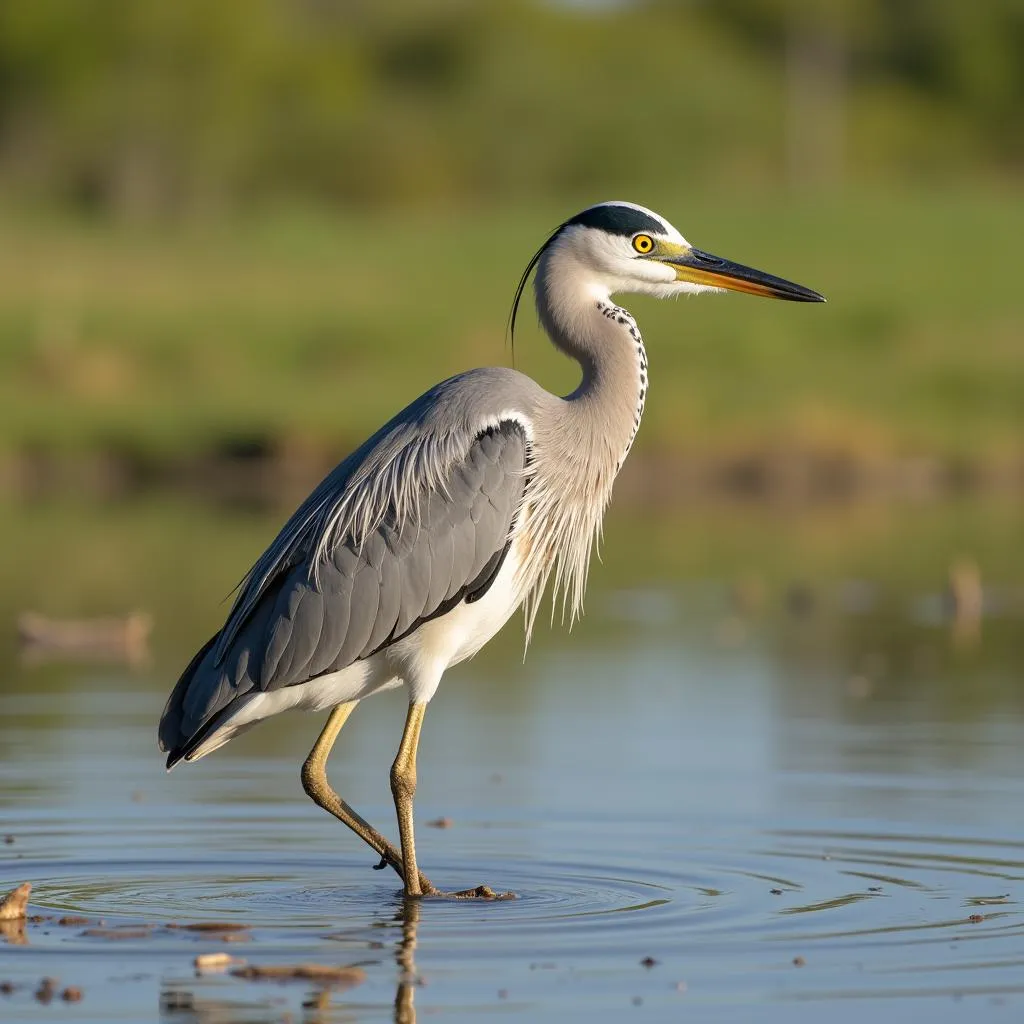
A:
x,y
580,441
584,323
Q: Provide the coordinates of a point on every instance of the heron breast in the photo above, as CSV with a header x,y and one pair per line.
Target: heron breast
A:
x,y
460,633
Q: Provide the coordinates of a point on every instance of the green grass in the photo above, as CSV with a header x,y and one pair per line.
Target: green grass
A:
x,y
313,327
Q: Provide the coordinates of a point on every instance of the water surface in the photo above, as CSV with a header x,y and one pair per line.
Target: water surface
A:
x,y
763,789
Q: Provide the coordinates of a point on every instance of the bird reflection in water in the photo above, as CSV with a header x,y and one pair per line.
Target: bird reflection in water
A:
x,y
405,955
187,1006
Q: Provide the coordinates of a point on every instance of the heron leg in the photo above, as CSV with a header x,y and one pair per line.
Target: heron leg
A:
x,y
403,788
314,782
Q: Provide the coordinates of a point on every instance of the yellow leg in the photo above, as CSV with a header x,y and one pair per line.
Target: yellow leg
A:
x,y
314,781
403,788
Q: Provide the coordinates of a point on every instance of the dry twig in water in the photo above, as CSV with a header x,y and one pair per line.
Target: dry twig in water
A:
x,y
15,904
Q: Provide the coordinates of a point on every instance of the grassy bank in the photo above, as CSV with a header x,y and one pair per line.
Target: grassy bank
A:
x,y
303,330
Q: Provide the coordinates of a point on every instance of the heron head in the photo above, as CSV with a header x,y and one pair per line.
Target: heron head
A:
x,y
621,247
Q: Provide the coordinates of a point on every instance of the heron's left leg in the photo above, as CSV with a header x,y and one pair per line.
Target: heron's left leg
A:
x,y
403,788
314,781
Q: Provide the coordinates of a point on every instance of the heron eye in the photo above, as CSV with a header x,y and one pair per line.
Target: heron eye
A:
x,y
643,244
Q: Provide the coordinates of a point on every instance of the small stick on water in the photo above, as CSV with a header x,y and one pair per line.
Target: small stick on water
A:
x,y
344,977
15,904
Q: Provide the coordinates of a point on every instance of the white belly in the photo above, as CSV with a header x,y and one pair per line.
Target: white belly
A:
x,y
460,633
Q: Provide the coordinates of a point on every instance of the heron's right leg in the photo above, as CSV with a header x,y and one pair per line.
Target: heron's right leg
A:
x,y
314,782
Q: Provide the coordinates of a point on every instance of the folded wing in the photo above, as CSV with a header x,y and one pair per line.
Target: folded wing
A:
x,y
434,542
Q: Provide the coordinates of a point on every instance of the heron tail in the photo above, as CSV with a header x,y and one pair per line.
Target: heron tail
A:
x,y
171,733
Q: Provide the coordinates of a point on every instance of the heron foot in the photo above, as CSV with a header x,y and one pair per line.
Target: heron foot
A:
x,y
427,888
481,892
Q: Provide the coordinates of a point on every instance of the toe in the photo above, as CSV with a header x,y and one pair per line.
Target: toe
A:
x,y
482,892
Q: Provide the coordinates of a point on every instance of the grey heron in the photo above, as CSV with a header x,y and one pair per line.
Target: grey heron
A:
x,y
419,546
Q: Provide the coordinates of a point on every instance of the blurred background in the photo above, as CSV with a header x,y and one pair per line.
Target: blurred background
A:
x,y
236,237
253,231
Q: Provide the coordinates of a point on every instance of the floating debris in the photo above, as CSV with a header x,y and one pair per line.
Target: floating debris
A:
x,y
123,639
345,977
72,919
216,962
15,904
987,901
47,990
440,823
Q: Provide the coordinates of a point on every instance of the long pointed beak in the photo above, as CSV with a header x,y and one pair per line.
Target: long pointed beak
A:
x,y
702,268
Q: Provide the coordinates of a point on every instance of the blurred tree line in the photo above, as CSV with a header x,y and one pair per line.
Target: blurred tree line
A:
x,y
154,106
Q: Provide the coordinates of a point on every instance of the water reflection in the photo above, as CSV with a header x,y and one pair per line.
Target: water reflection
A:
x,y
320,1002
405,956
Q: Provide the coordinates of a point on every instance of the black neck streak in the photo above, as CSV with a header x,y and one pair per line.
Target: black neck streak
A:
x,y
620,316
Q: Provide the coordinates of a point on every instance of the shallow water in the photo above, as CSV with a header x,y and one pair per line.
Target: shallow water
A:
x,y
804,804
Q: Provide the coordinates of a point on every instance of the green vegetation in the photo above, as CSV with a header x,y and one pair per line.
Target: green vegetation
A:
x,y
309,329
174,105
272,224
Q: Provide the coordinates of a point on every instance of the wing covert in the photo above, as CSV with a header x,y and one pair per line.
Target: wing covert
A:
x,y
406,572
367,594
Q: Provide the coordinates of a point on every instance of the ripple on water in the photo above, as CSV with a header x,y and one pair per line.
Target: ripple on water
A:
x,y
912,911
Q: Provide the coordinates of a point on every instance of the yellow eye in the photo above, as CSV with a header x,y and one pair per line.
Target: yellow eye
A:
x,y
643,244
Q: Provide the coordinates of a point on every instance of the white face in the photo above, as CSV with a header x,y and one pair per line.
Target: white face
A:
x,y
614,262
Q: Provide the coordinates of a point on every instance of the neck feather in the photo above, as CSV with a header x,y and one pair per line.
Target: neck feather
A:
x,y
585,324
584,441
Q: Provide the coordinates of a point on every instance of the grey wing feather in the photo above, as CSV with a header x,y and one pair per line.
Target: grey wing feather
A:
x,y
439,538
